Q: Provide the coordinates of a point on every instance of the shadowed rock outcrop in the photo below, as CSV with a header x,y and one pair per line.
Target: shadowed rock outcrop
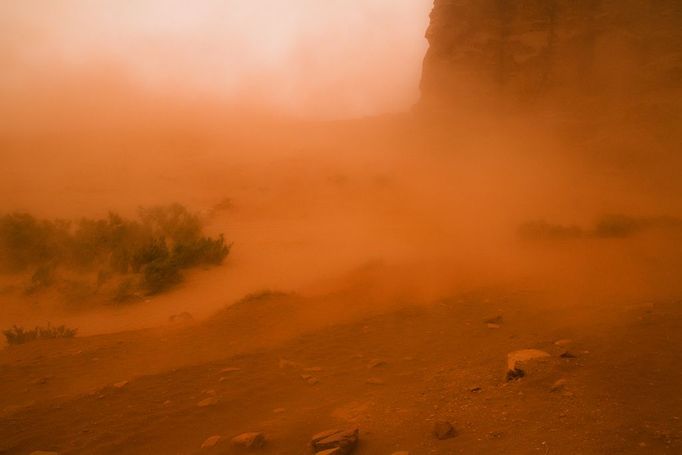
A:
x,y
568,52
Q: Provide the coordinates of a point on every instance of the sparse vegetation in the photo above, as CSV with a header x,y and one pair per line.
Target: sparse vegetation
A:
x,y
149,252
18,335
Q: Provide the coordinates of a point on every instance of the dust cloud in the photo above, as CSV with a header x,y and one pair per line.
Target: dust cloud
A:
x,y
390,230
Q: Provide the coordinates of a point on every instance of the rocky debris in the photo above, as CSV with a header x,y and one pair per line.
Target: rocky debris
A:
x,y
444,430
312,380
181,318
211,442
516,359
120,385
558,386
210,401
375,381
253,440
344,441
475,390
376,363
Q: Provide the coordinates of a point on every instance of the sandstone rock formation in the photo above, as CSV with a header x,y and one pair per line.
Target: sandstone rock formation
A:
x,y
566,52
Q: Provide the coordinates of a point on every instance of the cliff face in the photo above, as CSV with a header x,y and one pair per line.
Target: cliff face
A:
x,y
567,51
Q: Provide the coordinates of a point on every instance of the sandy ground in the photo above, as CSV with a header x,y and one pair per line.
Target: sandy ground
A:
x,y
388,245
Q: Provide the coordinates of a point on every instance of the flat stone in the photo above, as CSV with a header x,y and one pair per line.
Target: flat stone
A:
x,y
334,451
253,440
230,370
375,363
211,441
346,440
210,401
514,359
558,386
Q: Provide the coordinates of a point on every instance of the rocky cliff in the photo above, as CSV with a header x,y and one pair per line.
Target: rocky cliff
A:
x,y
571,52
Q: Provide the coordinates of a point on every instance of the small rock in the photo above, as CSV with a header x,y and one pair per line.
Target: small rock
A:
x,y
314,369
491,325
568,355
524,355
563,343
375,363
120,385
279,410
181,318
444,430
334,451
253,440
476,390
313,381
375,381
516,373
344,441
210,401
517,358
497,320
558,386
230,370
211,442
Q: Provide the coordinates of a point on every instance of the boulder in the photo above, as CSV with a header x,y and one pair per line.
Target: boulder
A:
x,y
253,440
517,359
344,440
211,442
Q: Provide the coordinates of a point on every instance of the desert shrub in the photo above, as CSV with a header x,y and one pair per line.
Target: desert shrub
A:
x,y
541,230
201,251
125,291
160,276
42,278
18,335
152,251
157,245
173,222
26,241
618,226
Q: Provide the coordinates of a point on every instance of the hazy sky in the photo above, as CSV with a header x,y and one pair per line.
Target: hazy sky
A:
x,y
310,57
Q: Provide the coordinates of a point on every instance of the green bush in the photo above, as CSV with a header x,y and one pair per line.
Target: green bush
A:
x,y
18,335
